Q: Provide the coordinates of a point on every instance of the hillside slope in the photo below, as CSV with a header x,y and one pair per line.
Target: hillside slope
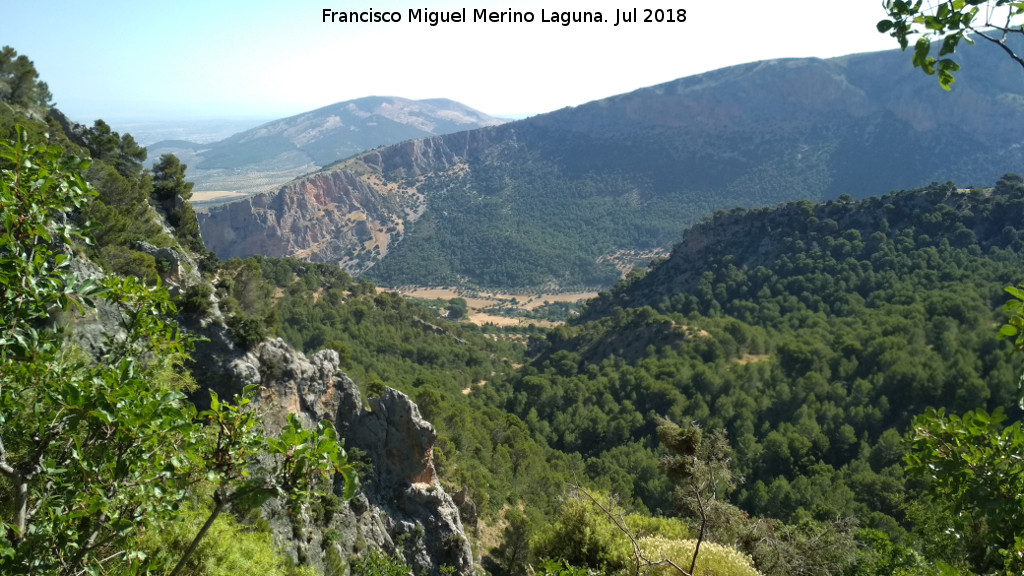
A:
x,y
278,151
553,201
811,335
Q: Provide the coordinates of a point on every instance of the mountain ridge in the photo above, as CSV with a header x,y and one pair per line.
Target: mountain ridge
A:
x,y
541,202
300,144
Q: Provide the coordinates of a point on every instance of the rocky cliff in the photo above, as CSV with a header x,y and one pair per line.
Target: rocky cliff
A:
x,y
402,508
350,214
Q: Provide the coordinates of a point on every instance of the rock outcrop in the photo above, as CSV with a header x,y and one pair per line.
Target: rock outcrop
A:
x,y
402,507
399,443
335,217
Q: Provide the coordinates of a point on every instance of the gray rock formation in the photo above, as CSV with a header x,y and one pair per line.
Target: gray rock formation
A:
x,y
399,443
402,508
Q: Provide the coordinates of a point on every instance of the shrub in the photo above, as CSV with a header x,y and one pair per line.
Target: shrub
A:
x,y
196,300
127,262
583,535
229,548
246,330
377,563
713,559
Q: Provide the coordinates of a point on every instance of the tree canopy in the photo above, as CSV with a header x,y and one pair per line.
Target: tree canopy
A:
x,y
96,453
948,23
19,82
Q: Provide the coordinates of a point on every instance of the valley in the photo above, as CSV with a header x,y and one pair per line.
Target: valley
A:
x,y
763,321
546,203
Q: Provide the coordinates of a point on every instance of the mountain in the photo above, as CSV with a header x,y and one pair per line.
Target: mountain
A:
x,y
557,200
300,144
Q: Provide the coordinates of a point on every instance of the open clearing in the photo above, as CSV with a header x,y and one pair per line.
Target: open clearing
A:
x,y
211,195
482,305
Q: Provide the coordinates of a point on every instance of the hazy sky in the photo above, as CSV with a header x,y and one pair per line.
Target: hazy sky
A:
x,y
228,58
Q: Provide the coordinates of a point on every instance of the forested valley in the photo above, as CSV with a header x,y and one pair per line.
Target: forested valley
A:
x,y
810,388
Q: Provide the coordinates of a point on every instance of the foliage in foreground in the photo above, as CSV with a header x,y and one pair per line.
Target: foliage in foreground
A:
x,y
972,465
948,23
584,535
229,549
95,454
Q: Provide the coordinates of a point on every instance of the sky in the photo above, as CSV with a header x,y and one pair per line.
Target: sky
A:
x,y
121,60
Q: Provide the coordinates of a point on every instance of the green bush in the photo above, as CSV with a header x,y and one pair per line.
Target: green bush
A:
x,y
584,535
377,563
246,330
229,548
196,300
127,262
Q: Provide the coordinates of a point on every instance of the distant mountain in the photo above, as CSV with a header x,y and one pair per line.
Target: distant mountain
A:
x,y
566,199
302,143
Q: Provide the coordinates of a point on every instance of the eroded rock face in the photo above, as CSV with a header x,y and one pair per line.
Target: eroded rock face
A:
x,y
335,217
402,508
398,439
399,443
350,214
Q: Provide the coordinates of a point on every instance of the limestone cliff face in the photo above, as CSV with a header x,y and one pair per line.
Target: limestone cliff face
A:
x,y
349,214
328,217
401,509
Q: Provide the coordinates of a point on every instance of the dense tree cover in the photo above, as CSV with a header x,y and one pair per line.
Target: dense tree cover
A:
x,y
95,453
120,151
811,335
972,466
527,220
452,371
20,85
543,202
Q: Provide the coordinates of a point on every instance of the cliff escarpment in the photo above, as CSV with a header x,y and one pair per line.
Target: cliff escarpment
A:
x,y
265,157
349,214
402,507
338,217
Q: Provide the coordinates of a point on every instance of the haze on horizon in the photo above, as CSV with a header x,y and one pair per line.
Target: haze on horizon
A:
x,y
115,59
